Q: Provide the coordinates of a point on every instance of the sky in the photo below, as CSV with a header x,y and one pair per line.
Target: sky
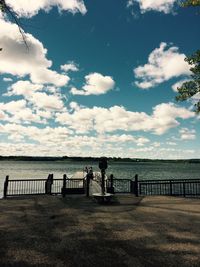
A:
x,y
99,78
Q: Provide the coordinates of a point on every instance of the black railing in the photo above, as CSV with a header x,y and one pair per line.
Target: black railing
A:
x,y
75,183
18,187
25,187
56,186
179,187
73,186
121,185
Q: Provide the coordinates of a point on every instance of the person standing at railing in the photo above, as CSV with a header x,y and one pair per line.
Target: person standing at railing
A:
x,y
89,177
103,165
86,169
90,173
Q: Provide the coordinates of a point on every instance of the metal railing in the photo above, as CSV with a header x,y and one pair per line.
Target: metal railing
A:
x,y
170,187
73,186
180,187
122,185
25,187
56,186
19,187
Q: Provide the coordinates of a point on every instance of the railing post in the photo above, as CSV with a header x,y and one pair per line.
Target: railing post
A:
x,y
87,185
64,185
136,185
5,186
50,182
46,185
184,189
109,184
111,180
170,187
132,187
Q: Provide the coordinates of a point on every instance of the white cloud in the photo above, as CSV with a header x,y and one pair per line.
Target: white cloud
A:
x,y
2,115
47,134
44,114
26,115
102,120
171,143
123,138
13,106
27,8
47,76
32,94
61,141
163,64
74,106
165,6
69,66
17,111
17,60
25,88
45,101
96,84
156,144
187,134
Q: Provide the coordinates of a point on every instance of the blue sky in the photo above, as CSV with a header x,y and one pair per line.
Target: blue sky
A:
x,y
99,78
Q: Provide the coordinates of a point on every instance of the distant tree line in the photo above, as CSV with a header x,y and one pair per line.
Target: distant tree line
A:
x,y
96,159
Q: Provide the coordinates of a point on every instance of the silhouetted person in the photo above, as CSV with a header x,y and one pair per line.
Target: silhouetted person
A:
x,y
90,173
103,165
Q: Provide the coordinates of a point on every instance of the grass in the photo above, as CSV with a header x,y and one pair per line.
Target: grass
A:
x,y
76,231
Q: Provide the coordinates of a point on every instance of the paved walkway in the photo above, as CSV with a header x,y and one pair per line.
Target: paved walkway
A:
x,y
75,231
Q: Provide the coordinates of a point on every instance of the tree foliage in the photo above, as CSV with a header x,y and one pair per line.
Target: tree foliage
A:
x,y
6,9
189,3
191,89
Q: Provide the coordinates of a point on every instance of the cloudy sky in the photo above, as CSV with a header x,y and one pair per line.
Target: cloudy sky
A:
x,y
98,78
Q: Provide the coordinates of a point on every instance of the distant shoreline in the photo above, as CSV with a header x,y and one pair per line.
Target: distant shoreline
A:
x,y
110,159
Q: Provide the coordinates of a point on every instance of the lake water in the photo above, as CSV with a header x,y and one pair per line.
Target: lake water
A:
x,y
145,170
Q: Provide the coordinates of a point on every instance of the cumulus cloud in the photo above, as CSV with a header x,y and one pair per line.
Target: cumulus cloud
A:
x,y
33,133
163,118
74,106
13,106
17,111
33,93
26,8
63,139
43,100
44,113
26,116
25,88
69,66
17,60
59,141
165,6
96,84
187,134
163,64
123,138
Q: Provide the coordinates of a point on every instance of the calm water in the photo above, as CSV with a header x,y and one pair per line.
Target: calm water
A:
x,y
41,169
